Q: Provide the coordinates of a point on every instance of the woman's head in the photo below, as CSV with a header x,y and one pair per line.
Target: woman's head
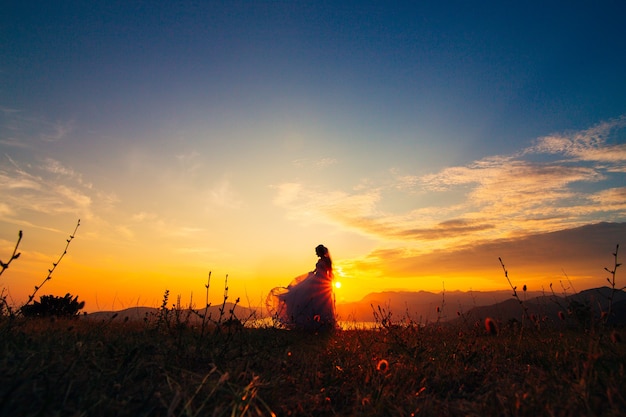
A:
x,y
321,250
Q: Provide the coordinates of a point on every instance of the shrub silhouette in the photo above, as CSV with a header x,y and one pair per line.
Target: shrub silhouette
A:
x,y
50,305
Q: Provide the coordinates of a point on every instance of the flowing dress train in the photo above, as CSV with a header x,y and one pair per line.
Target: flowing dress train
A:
x,y
308,302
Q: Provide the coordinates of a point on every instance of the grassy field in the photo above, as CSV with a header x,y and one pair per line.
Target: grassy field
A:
x,y
77,367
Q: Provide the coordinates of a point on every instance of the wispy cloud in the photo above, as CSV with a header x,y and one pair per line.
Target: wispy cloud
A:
x,y
543,188
57,168
592,144
315,163
75,196
26,131
14,142
8,110
190,162
58,131
144,216
317,205
5,210
224,195
613,199
286,193
48,188
325,162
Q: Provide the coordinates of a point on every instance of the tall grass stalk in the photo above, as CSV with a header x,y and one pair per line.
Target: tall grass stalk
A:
x,y
206,306
54,266
5,308
611,281
516,295
14,255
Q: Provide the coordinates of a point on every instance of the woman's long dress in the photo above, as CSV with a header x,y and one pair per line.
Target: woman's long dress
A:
x,y
308,303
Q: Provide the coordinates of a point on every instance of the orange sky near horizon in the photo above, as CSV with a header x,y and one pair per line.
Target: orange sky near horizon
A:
x,y
114,282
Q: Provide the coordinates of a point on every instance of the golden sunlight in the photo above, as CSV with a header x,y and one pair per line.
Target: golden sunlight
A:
x,y
337,284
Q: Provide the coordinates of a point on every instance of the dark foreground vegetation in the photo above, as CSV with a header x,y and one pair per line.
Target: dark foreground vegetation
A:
x,y
54,362
81,367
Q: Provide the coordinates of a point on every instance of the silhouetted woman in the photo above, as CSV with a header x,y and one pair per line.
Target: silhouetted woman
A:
x,y
308,303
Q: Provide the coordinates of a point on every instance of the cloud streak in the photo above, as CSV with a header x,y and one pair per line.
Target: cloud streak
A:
x,y
588,145
19,130
49,188
542,188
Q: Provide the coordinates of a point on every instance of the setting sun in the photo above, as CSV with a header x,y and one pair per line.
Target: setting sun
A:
x,y
337,284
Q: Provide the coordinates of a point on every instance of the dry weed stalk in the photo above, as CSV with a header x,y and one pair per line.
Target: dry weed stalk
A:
x,y
526,314
611,281
14,255
54,266
206,306
4,305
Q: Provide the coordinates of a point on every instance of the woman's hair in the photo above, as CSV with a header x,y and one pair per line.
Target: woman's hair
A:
x,y
322,252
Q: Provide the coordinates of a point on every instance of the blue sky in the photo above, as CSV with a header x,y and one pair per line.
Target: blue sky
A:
x,y
236,136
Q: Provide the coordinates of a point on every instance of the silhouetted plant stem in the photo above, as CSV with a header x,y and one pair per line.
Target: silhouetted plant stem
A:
x,y
223,307
14,255
611,281
54,266
440,310
206,306
519,300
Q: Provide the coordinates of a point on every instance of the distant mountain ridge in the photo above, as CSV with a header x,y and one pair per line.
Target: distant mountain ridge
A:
x,y
424,306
